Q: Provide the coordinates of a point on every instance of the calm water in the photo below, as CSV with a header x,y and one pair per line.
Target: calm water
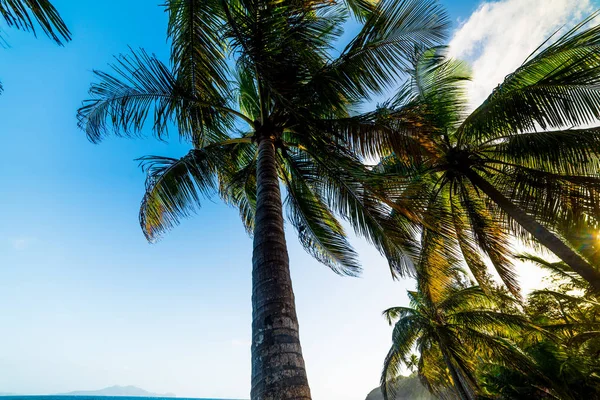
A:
x,y
99,398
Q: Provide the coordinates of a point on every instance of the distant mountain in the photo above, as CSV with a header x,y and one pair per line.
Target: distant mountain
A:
x,y
407,388
130,391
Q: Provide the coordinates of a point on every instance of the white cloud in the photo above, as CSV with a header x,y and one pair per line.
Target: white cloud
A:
x,y
495,40
499,36
21,243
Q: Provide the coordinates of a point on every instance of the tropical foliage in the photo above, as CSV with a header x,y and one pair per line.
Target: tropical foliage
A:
x,y
25,14
515,166
549,348
569,358
255,88
453,324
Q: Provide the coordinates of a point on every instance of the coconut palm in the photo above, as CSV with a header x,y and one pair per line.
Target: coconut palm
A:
x,y
254,87
413,362
569,358
513,165
452,325
21,14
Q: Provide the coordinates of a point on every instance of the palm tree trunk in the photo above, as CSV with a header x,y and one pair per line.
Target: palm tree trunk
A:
x,y
463,393
278,371
538,231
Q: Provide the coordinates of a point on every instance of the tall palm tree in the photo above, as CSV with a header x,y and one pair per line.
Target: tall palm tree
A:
x,y
21,14
451,324
514,164
254,87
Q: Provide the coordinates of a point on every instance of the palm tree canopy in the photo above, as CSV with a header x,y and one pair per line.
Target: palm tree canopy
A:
x,y
243,70
551,174
448,321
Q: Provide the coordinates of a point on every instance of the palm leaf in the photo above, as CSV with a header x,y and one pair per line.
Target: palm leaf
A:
x,y
318,229
21,14
558,87
142,87
373,60
174,188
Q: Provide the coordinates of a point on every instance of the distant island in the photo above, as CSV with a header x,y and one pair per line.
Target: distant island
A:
x,y
128,391
113,391
407,388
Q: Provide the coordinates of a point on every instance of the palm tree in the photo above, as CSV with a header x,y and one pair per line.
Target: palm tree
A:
x,y
20,14
413,362
569,356
514,164
280,116
452,324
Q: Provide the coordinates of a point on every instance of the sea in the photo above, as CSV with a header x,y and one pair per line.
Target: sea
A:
x,y
72,397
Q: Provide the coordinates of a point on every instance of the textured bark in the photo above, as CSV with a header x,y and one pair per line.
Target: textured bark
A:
x,y
538,231
278,371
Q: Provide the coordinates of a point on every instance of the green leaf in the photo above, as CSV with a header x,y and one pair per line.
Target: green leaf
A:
x,y
21,14
141,88
319,232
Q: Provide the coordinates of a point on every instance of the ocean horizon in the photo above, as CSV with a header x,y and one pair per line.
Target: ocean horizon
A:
x,y
96,397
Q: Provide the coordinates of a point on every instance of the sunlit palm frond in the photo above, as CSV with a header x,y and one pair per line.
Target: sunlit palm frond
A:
x,y
437,87
491,237
557,87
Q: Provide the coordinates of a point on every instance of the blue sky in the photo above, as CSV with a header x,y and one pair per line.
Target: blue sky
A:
x,y
86,303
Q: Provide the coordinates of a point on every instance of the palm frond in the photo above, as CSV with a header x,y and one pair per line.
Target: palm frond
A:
x,y
174,188
343,182
142,87
556,200
395,313
373,60
405,333
21,14
569,152
320,233
198,49
468,245
557,87
559,269
491,237
237,181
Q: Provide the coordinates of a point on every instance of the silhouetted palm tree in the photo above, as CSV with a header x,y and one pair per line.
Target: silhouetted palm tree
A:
x,y
280,116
